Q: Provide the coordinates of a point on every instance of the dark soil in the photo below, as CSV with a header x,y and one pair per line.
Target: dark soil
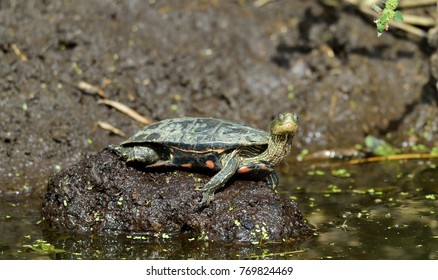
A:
x,y
226,59
101,194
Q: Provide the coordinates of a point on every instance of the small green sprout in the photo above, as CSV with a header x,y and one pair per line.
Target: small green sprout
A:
x,y
386,15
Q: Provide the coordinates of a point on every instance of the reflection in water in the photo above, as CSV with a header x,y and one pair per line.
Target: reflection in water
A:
x,y
373,211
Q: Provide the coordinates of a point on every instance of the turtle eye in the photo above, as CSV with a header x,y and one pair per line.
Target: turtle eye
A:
x,y
281,116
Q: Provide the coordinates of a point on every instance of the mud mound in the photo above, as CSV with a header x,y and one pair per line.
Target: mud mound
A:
x,y
101,194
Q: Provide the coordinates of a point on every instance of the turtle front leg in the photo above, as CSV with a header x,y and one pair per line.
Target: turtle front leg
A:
x,y
272,179
230,163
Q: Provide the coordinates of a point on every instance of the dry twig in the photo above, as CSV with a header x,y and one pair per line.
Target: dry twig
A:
x,y
415,3
18,53
418,20
110,127
260,3
391,157
126,110
89,88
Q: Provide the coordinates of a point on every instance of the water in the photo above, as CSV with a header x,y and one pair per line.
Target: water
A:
x,y
384,210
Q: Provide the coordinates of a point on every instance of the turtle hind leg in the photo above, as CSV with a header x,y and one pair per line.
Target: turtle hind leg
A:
x,y
230,164
273,180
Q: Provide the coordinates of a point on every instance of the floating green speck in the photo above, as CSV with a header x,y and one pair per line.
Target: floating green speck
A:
x,y
343,173
43,246
359,191
315,172
334,188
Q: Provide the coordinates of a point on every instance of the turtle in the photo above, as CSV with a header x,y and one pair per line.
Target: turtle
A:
x,y
222,146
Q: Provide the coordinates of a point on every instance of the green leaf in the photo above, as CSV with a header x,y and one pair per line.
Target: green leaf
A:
x,y
379,147
398,16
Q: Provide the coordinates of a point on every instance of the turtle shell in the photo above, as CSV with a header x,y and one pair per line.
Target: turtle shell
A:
x,y
199,134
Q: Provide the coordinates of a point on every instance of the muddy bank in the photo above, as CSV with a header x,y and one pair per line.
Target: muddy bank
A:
x,y
101,194
226,59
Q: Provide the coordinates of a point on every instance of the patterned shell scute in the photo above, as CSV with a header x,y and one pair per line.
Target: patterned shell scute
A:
x,y
199,134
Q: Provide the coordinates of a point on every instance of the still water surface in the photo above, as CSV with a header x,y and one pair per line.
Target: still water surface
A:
x,y
385,210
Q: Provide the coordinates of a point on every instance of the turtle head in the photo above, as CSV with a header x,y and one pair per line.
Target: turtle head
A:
x,y
285,123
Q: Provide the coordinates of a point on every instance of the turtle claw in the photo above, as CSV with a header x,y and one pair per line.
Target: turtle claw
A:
x,y
206,199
